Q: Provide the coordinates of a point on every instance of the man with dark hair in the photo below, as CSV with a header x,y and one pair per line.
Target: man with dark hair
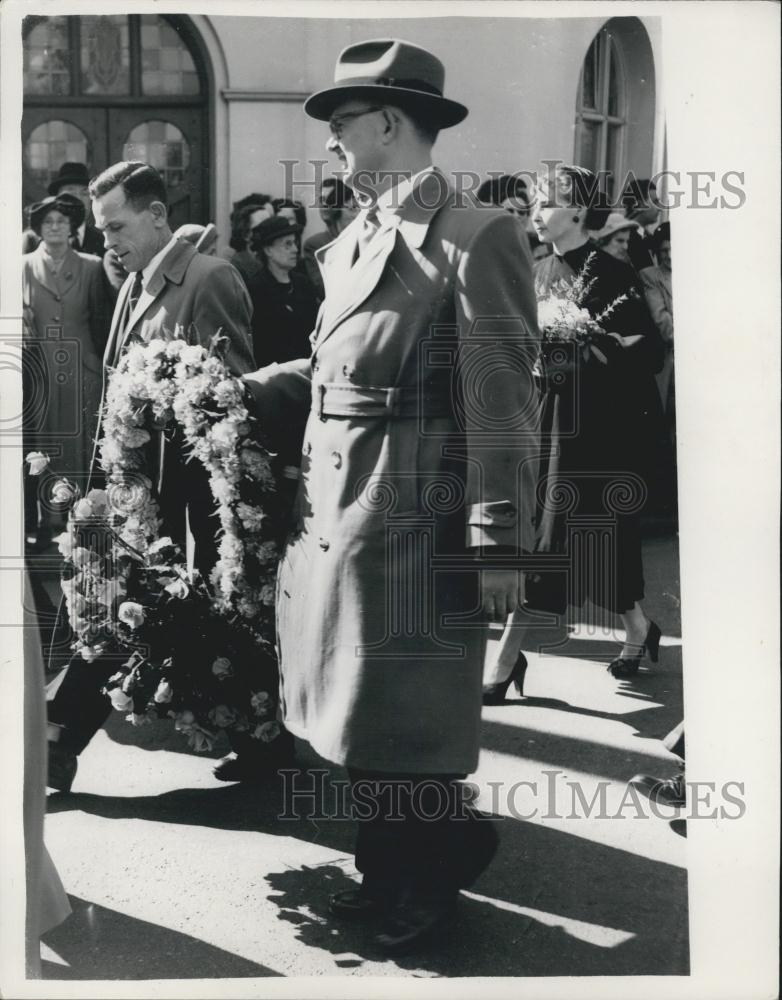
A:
x,y
419,425
337,210
506,192
639,200
171,291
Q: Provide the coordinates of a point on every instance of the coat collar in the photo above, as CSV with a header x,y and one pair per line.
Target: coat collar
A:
x,y
172,268
69,272
349,284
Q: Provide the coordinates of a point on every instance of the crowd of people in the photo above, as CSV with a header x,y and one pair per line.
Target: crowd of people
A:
x,y
339,319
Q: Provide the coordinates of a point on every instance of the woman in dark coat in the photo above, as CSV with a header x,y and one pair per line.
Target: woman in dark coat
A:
x,y
67,313
599,427
284,302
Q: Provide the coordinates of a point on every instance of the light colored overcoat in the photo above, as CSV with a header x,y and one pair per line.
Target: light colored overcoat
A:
x,y
419,445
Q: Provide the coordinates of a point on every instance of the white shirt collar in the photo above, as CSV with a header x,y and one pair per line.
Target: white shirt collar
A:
x,y
389,202
146,272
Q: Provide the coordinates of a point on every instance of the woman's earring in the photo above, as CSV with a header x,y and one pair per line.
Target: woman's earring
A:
x,y
576,218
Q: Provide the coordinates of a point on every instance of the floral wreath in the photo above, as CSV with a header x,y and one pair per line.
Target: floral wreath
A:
x,y
201,654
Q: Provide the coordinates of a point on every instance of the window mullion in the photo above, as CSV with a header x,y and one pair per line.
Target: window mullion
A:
x,y
134,53
74,47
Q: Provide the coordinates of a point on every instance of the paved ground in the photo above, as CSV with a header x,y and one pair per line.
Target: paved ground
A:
x,y
174,875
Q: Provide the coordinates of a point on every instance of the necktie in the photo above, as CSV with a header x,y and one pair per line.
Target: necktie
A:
x,y
369,228
135,292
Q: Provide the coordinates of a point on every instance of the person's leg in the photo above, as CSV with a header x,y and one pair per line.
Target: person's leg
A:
x,y
502,655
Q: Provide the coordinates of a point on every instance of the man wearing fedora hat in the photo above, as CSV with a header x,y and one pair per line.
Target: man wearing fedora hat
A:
x,y
417,432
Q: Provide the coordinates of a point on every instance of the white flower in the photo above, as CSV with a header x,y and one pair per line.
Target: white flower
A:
x,y
119,700
90,653
252,518
184,721
178,589
63,492
268,595
164,693
228,393
82,510
260,702
37,461
65,544
99,500
82,557
131,614
137,719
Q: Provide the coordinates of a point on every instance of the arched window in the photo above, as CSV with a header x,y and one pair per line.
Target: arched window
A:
x,y
601,109
101,88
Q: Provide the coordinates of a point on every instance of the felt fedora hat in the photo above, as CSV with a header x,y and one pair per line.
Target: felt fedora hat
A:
x,y
389,71
69,173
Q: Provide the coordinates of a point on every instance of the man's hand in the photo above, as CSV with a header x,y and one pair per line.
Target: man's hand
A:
x,y
502,591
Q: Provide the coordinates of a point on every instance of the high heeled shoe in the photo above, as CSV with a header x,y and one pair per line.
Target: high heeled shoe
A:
x,y
494,694
627,666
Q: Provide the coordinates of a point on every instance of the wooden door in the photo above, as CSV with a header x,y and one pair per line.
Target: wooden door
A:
x,y
53,136
172,140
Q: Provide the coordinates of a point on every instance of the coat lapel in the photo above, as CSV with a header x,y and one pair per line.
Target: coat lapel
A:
x,y
41,272
69,272
348,285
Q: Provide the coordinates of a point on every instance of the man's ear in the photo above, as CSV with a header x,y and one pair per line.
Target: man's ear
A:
x,y
392,123
159,213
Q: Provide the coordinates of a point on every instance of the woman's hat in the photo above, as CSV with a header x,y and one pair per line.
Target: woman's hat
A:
x,y
389,71
70,173
269,230
65,203
615,223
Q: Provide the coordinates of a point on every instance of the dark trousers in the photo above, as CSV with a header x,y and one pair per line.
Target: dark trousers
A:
x,y
417,833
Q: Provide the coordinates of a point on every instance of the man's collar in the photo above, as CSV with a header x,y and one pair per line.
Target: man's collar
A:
x,y
148,271
390,201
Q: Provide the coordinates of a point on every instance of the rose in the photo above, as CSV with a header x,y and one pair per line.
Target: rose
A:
x,y
164,693
200,739
222,667
266,731
63,492
82,557
65,544
222,716
82,510
184,721
131,613
119,700
178,589
100,502
90,653
37,461
260,702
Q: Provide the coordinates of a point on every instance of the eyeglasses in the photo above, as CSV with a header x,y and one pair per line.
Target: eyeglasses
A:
x,y
337,122
54,223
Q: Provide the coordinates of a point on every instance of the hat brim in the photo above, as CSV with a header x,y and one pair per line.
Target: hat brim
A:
x,y
60,182
438,111
260,241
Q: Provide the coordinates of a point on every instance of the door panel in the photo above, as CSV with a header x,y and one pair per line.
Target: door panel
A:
x,y
171,139
52,136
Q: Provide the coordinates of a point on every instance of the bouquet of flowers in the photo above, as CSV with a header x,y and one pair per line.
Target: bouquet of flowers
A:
x,y
570,334
199,651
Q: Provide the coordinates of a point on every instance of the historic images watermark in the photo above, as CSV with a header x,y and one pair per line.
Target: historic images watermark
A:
x,y
695,189
312,794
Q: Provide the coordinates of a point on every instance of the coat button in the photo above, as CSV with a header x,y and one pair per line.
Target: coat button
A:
x,y
347,371
56,298
323,544
336,460
307,448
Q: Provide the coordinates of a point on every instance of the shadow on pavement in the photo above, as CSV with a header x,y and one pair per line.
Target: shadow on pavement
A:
x,y
557,906
99,943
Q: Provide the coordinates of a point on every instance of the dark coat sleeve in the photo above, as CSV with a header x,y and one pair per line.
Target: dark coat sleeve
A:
x,y
496,312
222,304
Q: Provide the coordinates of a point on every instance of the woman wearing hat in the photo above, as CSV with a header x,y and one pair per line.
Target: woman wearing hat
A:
x,y
284,302
594,441
614,237
67,313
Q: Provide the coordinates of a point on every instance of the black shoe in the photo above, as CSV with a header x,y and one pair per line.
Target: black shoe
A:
x,y
362,902
667,791
627,666
494,694
256,763
416,922
62,765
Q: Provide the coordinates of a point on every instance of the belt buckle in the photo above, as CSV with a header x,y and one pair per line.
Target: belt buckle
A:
x,y
321,398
